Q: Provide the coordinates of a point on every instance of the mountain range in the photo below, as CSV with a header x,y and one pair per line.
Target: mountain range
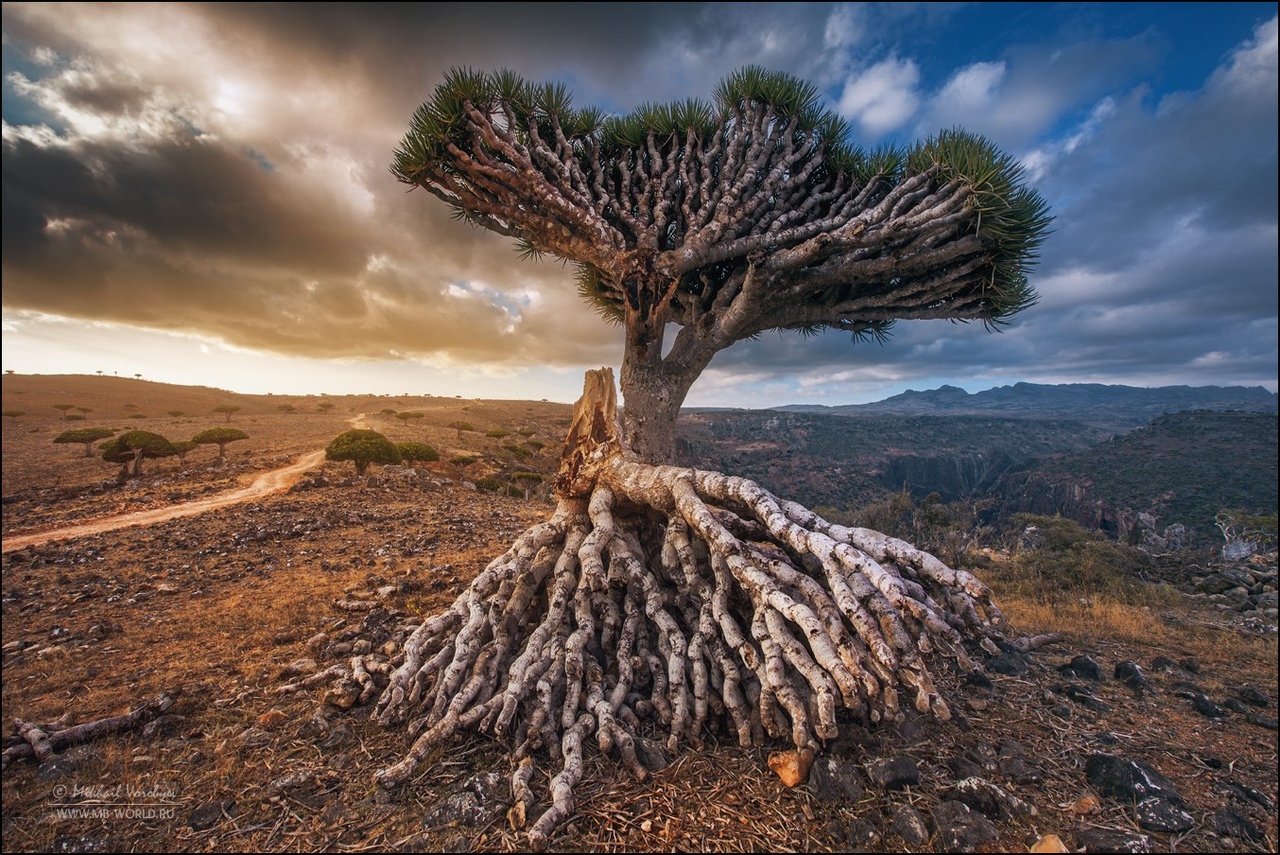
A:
x,y
1114,408
1105,456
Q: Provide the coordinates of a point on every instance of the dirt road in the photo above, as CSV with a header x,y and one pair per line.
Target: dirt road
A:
x,y
266,484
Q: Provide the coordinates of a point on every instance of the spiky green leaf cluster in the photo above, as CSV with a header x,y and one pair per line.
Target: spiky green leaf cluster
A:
x,y
789,96
592,291
442,119
1014,217
1011,218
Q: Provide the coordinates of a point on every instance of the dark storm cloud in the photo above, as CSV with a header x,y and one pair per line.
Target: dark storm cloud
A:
x,y
152,209
222,169
173,203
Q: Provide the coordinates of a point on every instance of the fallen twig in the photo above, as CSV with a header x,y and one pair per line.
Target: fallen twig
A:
x,y
43,745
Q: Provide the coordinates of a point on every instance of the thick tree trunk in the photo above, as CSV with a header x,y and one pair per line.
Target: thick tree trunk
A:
x,y
661,603
654,386
650,409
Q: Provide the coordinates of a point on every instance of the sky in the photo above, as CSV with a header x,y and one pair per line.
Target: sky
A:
x,y
201,193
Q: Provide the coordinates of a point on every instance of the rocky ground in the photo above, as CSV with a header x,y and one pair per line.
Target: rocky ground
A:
x,y
1164,742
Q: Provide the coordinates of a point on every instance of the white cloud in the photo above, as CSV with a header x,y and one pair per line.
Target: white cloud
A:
x,y
883,97
842,28
973,86
1252,66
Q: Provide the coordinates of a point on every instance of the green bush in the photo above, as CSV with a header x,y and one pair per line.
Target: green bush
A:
x,y
1062,559
414,451
497,485
362,447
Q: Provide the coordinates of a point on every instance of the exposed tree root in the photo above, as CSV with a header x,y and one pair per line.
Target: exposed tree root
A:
x,y
42,741
677,600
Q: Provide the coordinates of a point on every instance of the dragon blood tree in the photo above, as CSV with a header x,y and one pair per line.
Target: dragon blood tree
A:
x,y
660,601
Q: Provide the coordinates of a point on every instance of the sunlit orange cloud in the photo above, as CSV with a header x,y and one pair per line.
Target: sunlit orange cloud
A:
x,y
222,171
261,216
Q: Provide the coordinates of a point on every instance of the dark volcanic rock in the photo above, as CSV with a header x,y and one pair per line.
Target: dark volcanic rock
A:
x,y
835,779
1231,823
1159,814
1128,780
1009,663
1105,840
1252,696
961,829
1082,668
894,773
908,825
1130,673
990,800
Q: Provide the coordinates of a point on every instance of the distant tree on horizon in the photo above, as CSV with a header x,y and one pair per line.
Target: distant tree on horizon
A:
x,y
221,436
325,406
14,414
227,409
410,415
64,408
87,436
132,447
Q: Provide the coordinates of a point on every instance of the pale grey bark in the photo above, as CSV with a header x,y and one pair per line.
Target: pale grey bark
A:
x,y
677,599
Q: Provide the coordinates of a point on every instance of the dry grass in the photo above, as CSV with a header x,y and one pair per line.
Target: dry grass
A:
x,y
219,604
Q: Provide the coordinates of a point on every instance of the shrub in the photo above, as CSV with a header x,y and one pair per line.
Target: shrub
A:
x,y
412,452
497,485
1060,559
362,447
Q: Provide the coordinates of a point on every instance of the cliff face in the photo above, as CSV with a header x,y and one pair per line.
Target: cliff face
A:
x,y
1179,471
1049,494
848,462
1182,469
951,476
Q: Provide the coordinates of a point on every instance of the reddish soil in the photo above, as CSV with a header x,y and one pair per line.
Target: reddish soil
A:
x,y
219,602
